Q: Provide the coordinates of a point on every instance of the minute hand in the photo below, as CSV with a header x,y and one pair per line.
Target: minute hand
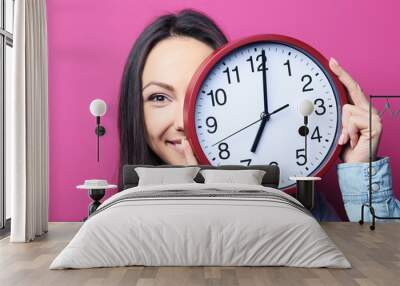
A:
x,y
264,79
265,94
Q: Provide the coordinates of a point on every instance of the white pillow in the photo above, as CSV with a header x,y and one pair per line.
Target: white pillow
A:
x,y
248,177
162,176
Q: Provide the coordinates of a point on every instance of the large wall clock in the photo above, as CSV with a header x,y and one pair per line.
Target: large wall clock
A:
x,y
243,107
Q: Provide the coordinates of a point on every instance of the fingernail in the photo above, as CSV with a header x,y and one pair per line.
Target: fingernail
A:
x,y
334,61
352,144
341,138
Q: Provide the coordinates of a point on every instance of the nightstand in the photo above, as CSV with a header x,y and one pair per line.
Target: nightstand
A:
x,y
305,190
96,190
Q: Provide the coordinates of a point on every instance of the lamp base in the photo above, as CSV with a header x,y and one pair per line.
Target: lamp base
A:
x,y
96,195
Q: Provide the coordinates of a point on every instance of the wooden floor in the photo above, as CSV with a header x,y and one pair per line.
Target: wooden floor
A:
x,y
374,255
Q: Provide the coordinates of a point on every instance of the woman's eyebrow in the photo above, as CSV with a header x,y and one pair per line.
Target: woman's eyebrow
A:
x,y
161,84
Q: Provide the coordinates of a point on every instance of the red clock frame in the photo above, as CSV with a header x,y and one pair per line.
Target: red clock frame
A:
x,y
209,63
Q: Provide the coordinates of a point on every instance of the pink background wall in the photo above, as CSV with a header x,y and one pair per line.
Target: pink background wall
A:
x,y
90,40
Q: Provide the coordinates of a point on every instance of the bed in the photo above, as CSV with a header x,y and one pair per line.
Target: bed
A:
x,y
201,224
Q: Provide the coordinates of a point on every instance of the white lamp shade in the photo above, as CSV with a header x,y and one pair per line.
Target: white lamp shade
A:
x,y
98,107
306,107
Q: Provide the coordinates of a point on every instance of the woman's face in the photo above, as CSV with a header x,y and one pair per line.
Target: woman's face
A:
x,y
168,70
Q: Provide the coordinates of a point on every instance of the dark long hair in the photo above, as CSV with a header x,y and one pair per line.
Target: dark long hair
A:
x,y
189,23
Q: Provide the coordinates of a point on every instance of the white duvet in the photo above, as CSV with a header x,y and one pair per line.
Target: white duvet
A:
x,y
185,230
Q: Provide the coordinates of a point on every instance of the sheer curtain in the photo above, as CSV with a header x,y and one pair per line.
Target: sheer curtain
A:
x,y
27,124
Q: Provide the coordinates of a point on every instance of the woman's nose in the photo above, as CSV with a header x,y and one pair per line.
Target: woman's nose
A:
x,y
179,126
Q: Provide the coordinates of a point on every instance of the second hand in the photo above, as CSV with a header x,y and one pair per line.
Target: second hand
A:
x,y
247,126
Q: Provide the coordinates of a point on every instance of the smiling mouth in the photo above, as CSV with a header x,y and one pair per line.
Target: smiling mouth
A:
x,y
176,145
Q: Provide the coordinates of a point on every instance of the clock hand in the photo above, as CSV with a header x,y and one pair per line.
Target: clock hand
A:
x,y
265,94
263,115
247,126
258,135
264,79
279,109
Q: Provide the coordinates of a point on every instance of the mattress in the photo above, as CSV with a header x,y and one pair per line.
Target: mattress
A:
x,y
201,225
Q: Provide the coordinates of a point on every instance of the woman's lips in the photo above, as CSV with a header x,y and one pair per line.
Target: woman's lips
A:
x,y
176,145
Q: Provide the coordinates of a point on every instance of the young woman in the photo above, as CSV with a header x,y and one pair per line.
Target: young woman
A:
x,y
157,73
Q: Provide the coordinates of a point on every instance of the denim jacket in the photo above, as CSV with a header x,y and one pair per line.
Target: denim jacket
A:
x,y
354,185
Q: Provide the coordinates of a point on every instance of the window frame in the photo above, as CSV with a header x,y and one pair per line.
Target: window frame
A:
x,y
6,39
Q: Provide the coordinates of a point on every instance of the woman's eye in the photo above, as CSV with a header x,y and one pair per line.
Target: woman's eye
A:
x,y
158,98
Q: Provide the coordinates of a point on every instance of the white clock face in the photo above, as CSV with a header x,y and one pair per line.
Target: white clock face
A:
x,y
231,100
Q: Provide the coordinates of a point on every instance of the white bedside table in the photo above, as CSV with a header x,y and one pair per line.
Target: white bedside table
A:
x,y
96,190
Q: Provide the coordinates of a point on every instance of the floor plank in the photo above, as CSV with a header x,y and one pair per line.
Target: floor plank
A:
x,y
374,255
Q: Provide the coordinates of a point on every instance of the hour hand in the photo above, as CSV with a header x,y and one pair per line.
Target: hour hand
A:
x,y
258,136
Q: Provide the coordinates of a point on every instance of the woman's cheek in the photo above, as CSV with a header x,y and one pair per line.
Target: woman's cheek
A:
x,y
157,121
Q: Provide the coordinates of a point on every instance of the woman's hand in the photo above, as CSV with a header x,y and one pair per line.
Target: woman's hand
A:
x,y
189,156
355,121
